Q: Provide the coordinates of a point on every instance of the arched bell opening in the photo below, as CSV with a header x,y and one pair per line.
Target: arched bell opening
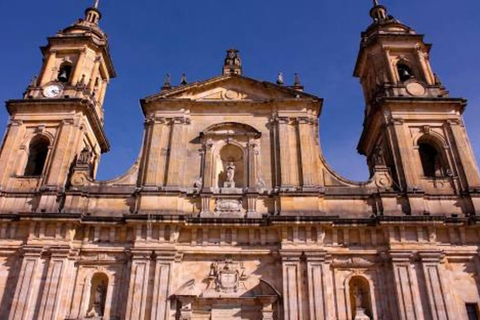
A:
x,y
405,73
37,156
65,72
230,167
432,158
98,295
360,298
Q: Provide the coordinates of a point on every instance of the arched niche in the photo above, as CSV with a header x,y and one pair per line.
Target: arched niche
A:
x,y
230,167
98,295
360,296
230,159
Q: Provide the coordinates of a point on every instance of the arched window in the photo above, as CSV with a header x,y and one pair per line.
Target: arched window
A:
x,y
404,72
432,160
65,72
37,155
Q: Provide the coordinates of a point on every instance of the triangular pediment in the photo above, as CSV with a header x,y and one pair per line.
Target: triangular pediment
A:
x,y
231,88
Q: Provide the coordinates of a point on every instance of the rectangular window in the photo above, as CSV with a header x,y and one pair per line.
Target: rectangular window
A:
x,y
472,311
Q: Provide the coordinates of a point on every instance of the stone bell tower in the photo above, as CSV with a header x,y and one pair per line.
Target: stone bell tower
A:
x,y
60,115
412,126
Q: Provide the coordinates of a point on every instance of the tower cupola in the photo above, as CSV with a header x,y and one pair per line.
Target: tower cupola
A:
x,y
92,14
378,12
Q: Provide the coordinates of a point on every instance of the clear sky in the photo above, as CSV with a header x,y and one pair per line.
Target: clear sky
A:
x,y
319,39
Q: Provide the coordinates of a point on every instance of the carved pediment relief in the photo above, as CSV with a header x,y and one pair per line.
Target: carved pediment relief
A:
x,y
223,94
231,92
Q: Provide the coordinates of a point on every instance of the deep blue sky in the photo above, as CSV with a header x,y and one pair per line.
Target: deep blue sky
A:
x,y
317,38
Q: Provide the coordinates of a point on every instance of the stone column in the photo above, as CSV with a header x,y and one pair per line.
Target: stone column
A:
x,y
437,294
161,286
292,285
137,293
54,289
320,285
406,287
28,284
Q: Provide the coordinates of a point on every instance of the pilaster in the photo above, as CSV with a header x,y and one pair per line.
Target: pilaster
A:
x,y
177,152
63,151
309,165
137,293
292,285
156,152
8,160
436,290
406,287
162,283
469,168
320,285
284,145
27,289
55,286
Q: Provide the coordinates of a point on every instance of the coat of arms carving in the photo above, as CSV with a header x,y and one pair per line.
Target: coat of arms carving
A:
x,y
227,276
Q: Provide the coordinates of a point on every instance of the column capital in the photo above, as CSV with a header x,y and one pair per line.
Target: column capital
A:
x,y
290,255
139,254
432,256
166,255
318,256
402,256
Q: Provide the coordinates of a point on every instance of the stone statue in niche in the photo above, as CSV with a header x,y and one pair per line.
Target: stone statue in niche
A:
x,y
84,157
359,304
230,169
98,303
357,293
379,159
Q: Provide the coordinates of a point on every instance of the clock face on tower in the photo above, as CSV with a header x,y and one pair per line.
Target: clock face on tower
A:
x,y
52,90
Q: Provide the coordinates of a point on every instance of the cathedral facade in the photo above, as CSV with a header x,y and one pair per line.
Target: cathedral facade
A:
x,y
231,211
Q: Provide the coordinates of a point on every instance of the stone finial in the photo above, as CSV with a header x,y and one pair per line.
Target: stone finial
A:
x,y
297,85
280,81
183,81
233,63
167,84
